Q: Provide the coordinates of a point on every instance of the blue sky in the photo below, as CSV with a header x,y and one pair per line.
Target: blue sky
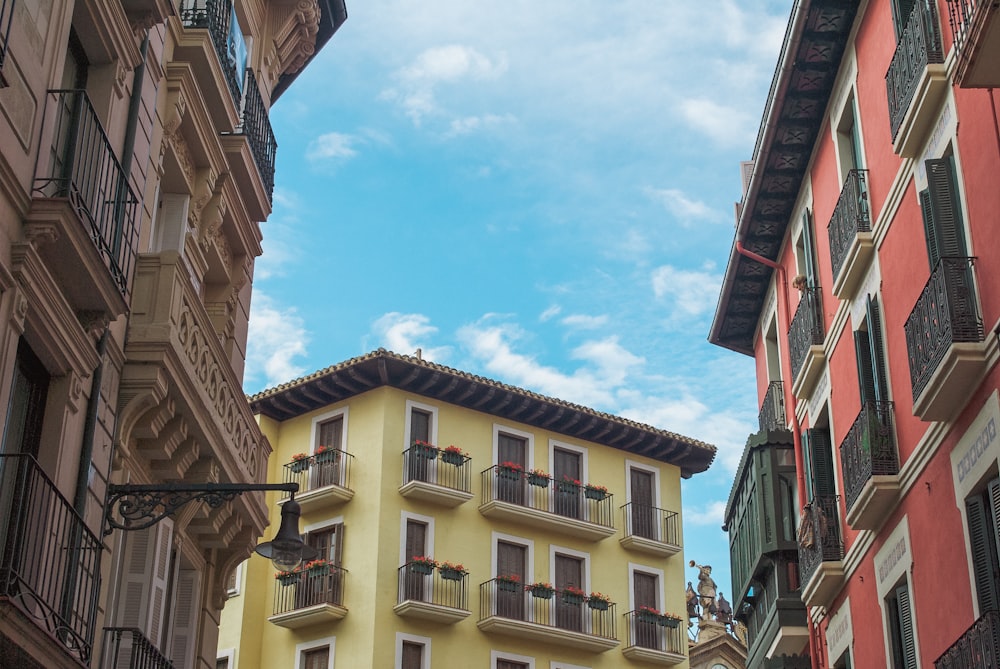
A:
x,y
537,192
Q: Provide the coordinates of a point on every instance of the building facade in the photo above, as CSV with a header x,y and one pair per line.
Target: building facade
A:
x,y
462,522
863,281
137,163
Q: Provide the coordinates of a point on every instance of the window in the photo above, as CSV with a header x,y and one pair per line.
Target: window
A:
x,y
412,652
511,664
329,468
569,573
820,480
642,486
805,252
941,207
567,470
645,593
982,512
844,661
316,658
416,545
316,587
872,378
901,11
413,655
849,140
505,660
26,410
222,663
418,467
233,582
512,560
902,645
514,449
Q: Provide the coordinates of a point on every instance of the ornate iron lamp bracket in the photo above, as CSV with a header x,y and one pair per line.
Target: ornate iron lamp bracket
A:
x,y
141,506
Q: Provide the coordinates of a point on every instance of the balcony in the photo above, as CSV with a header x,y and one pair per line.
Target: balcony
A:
x,y
558,506
309,598
128,647
214,16
50,565
256,127
944,335
324,479
978,648
83,212
805,342
821,552
976,27
651,530
445,481
655,643
436,594
850,233
871,466
507,608
916,80
772,411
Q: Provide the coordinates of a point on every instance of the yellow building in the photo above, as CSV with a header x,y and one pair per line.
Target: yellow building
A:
x,y
405,465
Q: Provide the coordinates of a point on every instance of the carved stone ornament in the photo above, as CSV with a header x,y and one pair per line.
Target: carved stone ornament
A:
x,y
41,234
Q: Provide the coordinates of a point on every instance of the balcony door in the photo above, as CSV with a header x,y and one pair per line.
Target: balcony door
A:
x,y
328,468
569,573
318,587
26,410
514,450
419,468
645,586
643,518
567,466
416,546
511,561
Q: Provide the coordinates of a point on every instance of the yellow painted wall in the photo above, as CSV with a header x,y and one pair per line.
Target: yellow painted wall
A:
x,y
366,637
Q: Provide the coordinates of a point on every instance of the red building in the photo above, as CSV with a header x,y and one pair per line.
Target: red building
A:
x,y
865,281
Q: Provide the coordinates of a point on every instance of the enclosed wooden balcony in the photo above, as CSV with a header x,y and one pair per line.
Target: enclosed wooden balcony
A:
x,y
432,475
850,233
821,552
975,25
311,597
916,80
870,461
805,342
432,593
654,640
978,648
651,530
944,335
324,479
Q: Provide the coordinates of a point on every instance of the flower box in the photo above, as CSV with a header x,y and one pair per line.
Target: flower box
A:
x,y
421,450
538,480
509,473
452,458
450,574
541,592
287,579
572,598
648,617
508,584
595,493
568,487
668,621
325,455
321,570
299,466
598,604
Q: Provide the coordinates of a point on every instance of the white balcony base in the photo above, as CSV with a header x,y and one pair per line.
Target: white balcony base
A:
x,y
649,546
662,658
947,391
550,635
309,615
437,613
546,520
432,492
789,641
322,498
812,368
922,112
824,584
855,266
877,499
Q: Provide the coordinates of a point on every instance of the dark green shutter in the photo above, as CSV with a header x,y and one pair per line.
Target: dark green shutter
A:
x,y
877,351
807,463
906,633
809,244
944,210
901,10
866,378
823,482
933,251
982,541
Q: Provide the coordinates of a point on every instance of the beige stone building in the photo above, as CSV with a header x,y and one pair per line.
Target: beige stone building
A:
x,y
137,162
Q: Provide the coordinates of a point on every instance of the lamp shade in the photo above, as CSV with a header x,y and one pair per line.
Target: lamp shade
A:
x,y
287,549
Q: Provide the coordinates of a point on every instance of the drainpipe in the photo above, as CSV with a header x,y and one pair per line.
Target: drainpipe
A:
x,y
90,427
800,476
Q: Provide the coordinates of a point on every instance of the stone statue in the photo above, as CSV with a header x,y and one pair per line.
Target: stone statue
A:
x,y
724,611
692,601
706,590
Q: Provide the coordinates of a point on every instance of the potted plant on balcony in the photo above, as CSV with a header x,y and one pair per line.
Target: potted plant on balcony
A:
x,y
648,614
569,485
573,595
538,478
287,578
325,454
300,463
599,601
421,564
452,571
508,582
453,455
594,491
541,590
423,449
316,568
510,470
669,620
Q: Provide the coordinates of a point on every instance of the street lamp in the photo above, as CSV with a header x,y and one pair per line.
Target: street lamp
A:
x,y
141,506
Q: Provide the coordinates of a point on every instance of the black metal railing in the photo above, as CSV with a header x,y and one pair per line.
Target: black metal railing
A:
x,y
772,411
851,216
434,585
6,19
256,125
129,647
822,540
961,18
806,329
946,313
553,609
654,632
310,587
431,465
978,648
215,15
543,493
332,467
83,168
919,46
650,522
50,560
869,449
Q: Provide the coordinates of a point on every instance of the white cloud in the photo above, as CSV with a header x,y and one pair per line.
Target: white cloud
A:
x,y
550,313
725,125
470,124
712,513
332,146
585,322
692,292
681,206
405,333
276,337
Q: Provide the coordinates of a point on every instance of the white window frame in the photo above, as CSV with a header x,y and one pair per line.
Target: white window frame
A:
x,y
323,524
644,569
425,641
553,549
324,417
426,408
503,655
512,539
300,648
428,521
238,588
499,429
566,446
556,664
635,464
229,655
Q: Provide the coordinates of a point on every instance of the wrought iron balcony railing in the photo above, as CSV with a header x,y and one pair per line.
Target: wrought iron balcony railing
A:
x,y
807,327
946,313
554,609
919,46
772,412
978,648
50,564
83,168
256,126
869,449
216,15
652,523
821,541
129,647
331,467
542,493
851,216
310,587
433,585
450,470
656,633
6,19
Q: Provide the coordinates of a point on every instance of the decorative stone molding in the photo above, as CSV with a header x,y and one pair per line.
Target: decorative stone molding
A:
x,y
294,34
41,234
